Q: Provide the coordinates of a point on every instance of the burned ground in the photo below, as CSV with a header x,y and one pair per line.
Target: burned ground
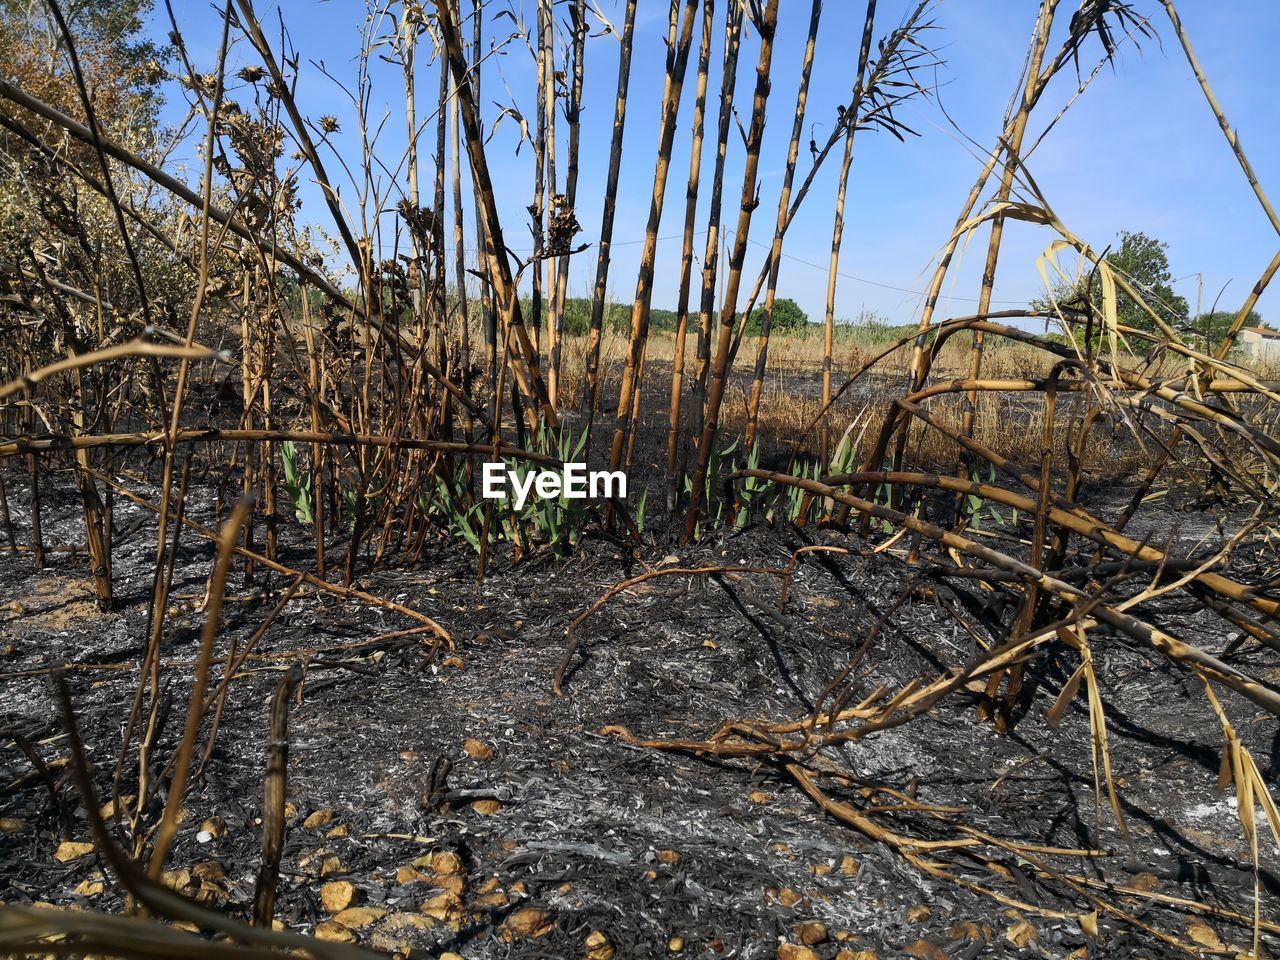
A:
x,y
543,810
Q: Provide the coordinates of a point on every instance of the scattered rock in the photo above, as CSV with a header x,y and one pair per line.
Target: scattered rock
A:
x,y
337,895
927,950
443,863
1205,935
336,932
331,866
527,923
811,933
357,918
318,819
396,932
70,850
176,879
599,947
445,907
407,874
210,870
968,930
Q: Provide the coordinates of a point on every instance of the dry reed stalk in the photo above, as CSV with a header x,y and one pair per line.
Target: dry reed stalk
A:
x,y
767,27
573,117
274,793
784,202
186,749
544,58
1012,151
711,252
522,356
547,121
677,60
837,230
686,253
600,289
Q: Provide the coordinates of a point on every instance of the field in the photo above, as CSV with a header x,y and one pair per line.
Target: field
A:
x,y
953,637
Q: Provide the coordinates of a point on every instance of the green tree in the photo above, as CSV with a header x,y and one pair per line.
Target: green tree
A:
x,y
1143,261
1209,329
122,72
122,67
787,317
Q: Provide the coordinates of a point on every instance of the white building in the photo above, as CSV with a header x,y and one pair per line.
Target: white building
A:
x,y
1260,343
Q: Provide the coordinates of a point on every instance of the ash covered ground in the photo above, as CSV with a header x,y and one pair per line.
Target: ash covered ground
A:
x,y
547,836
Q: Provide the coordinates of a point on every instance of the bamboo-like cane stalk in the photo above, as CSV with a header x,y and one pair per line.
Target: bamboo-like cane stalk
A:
x,y
711,251
601,288
784,209
1012,155
524,360
686,254
573,117
274,790
719,371
408,45
837,234
677,60
186,749
547,124
537,211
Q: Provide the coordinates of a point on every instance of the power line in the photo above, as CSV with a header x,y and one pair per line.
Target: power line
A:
x,y
877,283
785,256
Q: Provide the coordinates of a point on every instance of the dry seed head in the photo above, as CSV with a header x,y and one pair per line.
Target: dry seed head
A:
x,y
562,226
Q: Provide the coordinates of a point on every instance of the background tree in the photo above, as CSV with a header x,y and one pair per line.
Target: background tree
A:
x,y
1209,329
122,72
787,317
1144,262
122,67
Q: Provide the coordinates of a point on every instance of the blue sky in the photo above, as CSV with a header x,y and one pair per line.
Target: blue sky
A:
x,y
1139,151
